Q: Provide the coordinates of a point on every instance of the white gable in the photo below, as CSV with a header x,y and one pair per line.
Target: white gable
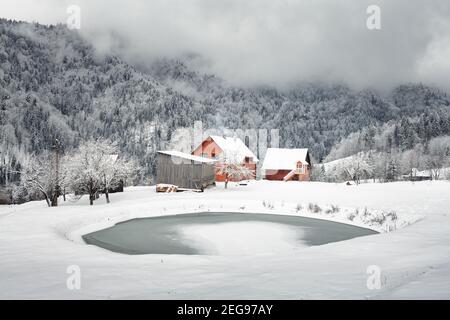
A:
x,y
234,147
283,159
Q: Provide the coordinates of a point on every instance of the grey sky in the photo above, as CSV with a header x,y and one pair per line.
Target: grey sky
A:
x,y
270,42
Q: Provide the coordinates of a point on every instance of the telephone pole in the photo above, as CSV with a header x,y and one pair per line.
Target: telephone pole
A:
x,y
56,191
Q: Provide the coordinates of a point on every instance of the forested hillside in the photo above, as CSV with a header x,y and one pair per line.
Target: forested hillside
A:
x,y
53,84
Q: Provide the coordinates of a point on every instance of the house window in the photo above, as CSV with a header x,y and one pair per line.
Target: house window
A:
x,y
300,168
247,159
213,154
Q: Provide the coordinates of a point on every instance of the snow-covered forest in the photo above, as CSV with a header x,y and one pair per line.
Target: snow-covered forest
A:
x,y
54,85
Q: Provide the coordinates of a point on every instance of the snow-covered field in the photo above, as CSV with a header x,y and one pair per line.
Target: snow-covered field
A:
x,y
38,244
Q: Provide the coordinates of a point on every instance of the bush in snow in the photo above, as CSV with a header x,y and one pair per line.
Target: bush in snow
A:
x,y
332,209
392,215
351,216
268,205
366,212
313,207
378,219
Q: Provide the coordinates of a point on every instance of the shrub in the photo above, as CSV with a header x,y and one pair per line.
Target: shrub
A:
x,y
268,205
379,219
352,215
313,207
366,212
392,215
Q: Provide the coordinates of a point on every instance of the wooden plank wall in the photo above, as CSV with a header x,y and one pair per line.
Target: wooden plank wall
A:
x,y
185,173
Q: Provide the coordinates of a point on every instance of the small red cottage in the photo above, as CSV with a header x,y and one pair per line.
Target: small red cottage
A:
x,y
286,164
227,149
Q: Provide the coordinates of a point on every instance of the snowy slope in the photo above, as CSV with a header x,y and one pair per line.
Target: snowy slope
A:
x,y
37,244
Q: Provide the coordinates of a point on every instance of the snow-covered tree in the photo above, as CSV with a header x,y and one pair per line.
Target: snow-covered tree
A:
x,y
38,176
233,171
232,167
438,155
115,171
357,170
95,168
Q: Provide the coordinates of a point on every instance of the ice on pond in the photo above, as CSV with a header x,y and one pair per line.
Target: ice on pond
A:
x,y
221,234
242,238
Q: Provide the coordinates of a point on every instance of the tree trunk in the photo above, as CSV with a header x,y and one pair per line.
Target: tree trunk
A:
x,y
91,193
107,195
47,199
54,200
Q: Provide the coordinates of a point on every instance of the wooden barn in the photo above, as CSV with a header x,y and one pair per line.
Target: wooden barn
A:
x,y
184,170
223,148
286,164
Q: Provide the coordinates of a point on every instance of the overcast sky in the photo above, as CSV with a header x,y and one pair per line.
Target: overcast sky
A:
x,y
275,42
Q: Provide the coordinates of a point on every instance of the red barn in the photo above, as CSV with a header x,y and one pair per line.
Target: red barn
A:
x,y
286,164
222,148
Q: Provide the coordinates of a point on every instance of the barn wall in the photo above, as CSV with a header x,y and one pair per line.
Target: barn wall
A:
x,y
185,174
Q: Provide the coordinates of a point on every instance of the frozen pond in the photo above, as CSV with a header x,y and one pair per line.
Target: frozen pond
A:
x,y
221,234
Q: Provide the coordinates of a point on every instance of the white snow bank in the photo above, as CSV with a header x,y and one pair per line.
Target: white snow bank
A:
x,y
35,251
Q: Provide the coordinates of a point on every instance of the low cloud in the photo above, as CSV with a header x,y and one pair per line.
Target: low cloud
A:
x,y
270,42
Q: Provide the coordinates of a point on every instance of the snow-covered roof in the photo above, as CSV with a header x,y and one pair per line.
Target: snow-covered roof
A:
x,y
234,147
283,159
187,156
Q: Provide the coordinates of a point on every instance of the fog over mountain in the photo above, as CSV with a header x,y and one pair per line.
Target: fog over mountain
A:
x,y
264,42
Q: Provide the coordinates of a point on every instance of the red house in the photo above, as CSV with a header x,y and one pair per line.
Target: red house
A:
x,y
286,164
227,148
